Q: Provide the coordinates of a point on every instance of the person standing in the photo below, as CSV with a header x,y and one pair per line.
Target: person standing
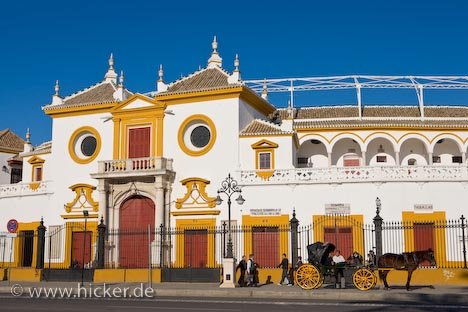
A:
x,y
250,270
284,265
242,266
339,262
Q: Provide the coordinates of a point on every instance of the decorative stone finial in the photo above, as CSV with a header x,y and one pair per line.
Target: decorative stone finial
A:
x,y
265,90
111,74
56,99
161,86
161,73
121,79
235,77
111,61
215,59
28,136
236,63
214,44
57,88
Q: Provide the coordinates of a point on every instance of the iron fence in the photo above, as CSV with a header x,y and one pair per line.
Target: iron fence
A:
x,y
80,246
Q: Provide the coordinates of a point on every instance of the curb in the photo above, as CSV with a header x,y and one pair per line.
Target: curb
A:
x,y
376,295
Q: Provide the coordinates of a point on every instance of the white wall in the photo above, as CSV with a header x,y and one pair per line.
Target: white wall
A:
x,y
5,176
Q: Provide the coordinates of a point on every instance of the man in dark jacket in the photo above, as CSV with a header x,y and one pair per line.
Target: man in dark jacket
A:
x,y
243,267
284,265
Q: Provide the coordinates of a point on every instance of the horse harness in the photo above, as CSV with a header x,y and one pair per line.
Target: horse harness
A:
x,y
407,259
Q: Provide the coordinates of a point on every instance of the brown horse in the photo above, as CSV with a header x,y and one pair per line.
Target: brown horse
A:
x,y
408,261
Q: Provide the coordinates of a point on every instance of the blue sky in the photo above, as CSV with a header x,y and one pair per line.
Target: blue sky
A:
x,y
42,41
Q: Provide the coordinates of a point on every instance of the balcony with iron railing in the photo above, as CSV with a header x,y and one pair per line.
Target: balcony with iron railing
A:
x,y
332,175
134,167
26,189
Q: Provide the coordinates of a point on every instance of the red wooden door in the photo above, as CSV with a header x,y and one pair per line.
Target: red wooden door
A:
x,y
265,246
342,238
139,142
81,248
136,213
424,238
196,248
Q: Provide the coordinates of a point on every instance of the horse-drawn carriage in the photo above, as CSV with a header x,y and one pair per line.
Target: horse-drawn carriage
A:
x,y
312,274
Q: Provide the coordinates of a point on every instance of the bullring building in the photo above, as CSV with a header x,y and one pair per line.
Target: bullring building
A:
x,y
157,159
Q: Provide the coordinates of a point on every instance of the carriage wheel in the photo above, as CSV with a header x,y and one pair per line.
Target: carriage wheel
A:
x,y
364,279
308,277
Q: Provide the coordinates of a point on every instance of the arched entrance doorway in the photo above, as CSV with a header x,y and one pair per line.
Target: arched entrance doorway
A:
x,y
136,213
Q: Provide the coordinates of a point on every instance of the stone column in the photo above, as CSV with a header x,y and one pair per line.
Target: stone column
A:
x,y
167,208
363,159
329,159
463,155
102,190
397,158
159,194
430,159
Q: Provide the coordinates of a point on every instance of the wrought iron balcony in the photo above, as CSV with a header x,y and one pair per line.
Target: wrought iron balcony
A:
x,y
332,175
133,167
26,189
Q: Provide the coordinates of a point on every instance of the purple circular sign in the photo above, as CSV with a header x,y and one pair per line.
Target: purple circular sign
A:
x,y
12,226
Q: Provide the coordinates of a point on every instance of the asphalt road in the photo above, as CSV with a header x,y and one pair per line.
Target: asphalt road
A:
x,y
222,304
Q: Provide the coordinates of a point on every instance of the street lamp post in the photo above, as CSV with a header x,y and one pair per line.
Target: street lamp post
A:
x,y
229,187
378,228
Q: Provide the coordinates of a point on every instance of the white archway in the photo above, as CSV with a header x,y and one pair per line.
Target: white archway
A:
x,y
346,151
414,152
380,151
312,153
447,151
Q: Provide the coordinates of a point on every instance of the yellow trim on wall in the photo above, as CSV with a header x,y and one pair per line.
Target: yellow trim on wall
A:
x,y
195,224
241,92
320,222
196,213
87,191
18,250
180,137
282,221
80,111
196,194
264,146
409,218
71,145
78,226
149,116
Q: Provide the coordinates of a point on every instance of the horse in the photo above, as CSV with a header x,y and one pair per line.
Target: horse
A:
x,y
408,261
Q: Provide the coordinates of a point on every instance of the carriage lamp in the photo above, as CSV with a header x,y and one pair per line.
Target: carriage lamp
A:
x,y
240,200
378,204
229,187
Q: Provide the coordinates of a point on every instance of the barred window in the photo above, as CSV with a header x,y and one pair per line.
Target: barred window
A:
x,y
264,160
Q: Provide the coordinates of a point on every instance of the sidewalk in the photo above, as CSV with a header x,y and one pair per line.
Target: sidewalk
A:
x,y
418,294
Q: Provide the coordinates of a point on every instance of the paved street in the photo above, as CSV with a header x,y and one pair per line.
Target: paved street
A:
x,y
212,304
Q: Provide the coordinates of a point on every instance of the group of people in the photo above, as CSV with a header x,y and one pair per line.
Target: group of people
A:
x,y
249,271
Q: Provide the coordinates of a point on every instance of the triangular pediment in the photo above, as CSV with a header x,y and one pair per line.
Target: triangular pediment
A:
x,y
264,144
137,102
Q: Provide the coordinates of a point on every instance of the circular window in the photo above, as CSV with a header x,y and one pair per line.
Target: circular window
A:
x,y
197,135
88,146
200,136
84,145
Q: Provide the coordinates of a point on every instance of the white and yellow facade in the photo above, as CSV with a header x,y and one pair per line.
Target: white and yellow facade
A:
x,y
306,159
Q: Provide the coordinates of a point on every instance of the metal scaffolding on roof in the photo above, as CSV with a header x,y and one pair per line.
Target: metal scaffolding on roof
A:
x,y
358,82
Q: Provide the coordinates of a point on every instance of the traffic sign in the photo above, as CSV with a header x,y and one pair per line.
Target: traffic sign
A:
x,y
12,226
